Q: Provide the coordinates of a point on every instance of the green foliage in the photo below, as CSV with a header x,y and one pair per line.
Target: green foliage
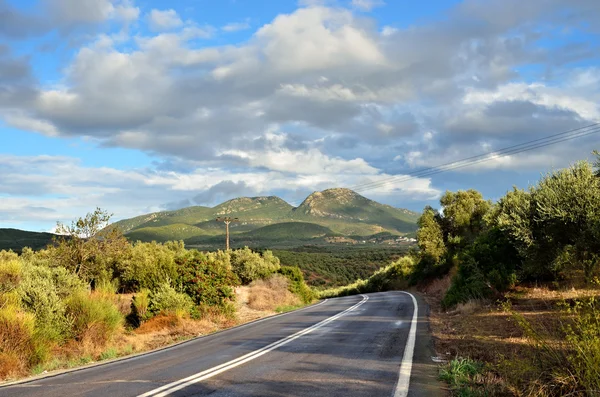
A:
x,y
39,295
250,266
297,284
333,266
391,277
583,336
461,374
95,317
87,248
430,236
463,219
207,278
148,265
166,300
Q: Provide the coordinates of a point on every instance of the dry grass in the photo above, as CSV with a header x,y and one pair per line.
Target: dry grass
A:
x,y
484,332
270,294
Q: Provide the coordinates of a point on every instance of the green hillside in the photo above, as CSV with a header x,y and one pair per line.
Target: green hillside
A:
x,y
289,231
15,239
332,212
161,234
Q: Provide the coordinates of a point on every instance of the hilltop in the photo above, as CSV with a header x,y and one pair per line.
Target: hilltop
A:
x,y
330,213
14,239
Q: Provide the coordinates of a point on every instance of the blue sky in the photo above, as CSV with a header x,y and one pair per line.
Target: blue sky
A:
x,y
139,106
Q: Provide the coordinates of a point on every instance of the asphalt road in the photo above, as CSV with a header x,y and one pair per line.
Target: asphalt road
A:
x,y
351,346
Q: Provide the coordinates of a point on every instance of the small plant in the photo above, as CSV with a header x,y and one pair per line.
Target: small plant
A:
x,y
460,374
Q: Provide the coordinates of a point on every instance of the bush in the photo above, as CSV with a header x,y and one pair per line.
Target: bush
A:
x,y
20,347
10,274
250,266
139,308
95,318
207,279
147,265
468,283
166,300
297,285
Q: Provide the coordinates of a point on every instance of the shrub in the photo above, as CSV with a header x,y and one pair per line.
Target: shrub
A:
x,y
207,279
95,318
468,283
139,308
583,338
250,266
297,285
38,295
147,265
10,274
166,300
20,348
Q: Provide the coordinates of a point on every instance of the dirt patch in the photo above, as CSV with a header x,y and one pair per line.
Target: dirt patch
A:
x,y
487,332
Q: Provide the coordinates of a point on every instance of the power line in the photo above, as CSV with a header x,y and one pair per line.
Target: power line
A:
x,y
492,155
514,149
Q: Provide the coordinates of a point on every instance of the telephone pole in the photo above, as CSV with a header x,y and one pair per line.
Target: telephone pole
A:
x,y
227,220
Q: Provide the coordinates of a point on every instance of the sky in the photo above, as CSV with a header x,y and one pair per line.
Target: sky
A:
x,y
136,106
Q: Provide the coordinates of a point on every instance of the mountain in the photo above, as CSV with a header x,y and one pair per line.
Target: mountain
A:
x,y
14,239
332,212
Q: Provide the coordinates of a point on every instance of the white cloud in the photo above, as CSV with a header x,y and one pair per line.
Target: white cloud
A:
x,y
164,20
236,26
388,31
46,189
367,5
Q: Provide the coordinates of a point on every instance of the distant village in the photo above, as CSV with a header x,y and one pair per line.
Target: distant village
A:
x,y
380,240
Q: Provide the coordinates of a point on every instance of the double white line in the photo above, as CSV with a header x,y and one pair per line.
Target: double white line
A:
x,y
209,373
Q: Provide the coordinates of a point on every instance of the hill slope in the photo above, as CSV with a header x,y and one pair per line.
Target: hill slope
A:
x,y
15,239
322,214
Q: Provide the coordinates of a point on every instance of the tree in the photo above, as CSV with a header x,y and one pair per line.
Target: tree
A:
x,y
88,247
430,237
464,213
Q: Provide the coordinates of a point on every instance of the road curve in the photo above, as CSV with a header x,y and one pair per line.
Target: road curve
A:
x,y
351,346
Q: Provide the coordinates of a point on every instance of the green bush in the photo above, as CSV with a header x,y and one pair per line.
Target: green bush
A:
x,y
469,283
95,318
147,265
250,266
207,278
297,284
165,299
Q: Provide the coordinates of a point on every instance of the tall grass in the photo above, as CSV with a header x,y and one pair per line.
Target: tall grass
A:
x,y
567,359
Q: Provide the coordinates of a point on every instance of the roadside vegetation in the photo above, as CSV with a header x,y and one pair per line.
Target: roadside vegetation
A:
x,y
513,286
93,295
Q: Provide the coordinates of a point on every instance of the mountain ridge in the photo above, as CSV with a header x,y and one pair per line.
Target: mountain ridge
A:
x,y
340,210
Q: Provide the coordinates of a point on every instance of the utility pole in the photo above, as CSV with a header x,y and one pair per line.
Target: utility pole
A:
x,y
227,220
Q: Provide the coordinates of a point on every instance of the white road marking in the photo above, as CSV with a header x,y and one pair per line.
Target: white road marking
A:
x,y
183,383
407,360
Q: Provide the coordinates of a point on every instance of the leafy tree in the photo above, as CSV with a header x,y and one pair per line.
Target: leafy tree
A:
x,y
87,247
567,218
464,213
430,237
